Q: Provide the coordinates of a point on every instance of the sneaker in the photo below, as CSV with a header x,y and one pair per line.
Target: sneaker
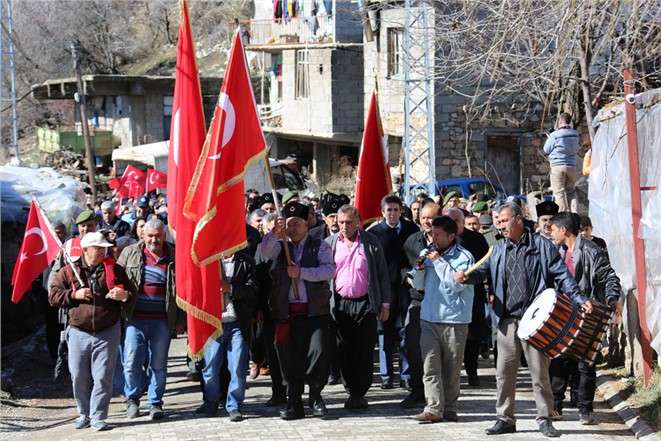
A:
x,y
132,408
100,425
586,418
156,412
556,415
548,430
235,416
82,422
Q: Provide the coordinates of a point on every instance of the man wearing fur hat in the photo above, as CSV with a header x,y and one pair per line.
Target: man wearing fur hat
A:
x,y
300,305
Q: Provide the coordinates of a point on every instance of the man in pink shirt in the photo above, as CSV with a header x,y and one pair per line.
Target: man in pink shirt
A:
x,y
361,296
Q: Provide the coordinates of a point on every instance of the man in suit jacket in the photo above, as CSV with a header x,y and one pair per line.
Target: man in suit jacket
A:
x,y
392,233
360,297
239,289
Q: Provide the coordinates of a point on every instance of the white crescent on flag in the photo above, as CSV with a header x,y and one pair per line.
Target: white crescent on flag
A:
x,y
132,173
230,122
175,141
38,232
152,179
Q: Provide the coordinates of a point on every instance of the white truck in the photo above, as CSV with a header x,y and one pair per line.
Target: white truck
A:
x,y
155,155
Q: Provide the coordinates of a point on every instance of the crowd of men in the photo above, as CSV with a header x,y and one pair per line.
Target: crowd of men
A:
x,y
316,290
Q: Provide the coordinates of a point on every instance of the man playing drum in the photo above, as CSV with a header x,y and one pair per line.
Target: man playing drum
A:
x,y
588,263
521,267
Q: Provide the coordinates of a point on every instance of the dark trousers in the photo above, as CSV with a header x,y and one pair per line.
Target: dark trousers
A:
x,y
471,354
257,346
53,329
268,332
304,357
356,332
412,340
561,370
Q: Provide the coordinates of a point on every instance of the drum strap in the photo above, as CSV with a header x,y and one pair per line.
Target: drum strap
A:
x,y
565,329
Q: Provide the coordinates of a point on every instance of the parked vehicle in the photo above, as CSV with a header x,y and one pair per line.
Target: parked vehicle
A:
x,y
155,155
466,187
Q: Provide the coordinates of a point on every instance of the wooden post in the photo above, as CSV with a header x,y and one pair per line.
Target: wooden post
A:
x,y
80,99
636,214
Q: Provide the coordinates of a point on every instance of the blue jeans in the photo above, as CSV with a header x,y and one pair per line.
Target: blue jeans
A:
x,y
146,338
232,344
386,358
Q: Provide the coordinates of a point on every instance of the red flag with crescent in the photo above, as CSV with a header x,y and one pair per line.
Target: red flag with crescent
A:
x,y
155,179
234,142
132,183
198,288
373,181
39,248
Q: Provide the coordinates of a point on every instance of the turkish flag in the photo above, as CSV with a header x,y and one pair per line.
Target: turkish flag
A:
x,y
132,183
373,181
235,141
155,179
40,247
198,288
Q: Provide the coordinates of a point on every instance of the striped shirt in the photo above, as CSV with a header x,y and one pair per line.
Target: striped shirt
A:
x,y
150,303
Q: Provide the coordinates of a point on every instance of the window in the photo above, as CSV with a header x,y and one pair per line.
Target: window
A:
x,y
395,51
302,75
168,102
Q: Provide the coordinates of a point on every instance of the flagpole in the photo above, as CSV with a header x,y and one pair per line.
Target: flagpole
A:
x,y
283,232
52,230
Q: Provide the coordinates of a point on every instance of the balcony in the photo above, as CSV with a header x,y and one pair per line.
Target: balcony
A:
x,y
291,31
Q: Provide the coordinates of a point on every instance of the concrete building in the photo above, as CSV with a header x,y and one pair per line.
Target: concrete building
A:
x,y
136,109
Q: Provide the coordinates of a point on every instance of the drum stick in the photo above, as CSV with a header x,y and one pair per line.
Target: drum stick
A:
x,y
479,262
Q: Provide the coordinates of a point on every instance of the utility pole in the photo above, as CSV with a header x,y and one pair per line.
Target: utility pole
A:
x,y
7,63
80,99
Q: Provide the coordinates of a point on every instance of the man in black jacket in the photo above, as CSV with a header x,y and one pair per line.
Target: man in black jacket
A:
x,y
239,290
589,266
393,233
521,267
412,248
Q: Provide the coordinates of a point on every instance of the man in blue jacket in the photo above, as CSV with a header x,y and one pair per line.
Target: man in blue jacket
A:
x,y
562,148
521,267
445,313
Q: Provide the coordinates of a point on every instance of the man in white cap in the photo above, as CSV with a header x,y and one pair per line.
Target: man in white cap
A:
x,y
93,333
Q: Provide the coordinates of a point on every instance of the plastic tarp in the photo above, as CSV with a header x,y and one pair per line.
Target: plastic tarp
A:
x,y
610,197
61,197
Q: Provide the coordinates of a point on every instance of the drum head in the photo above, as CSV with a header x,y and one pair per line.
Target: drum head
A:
x,y
536,315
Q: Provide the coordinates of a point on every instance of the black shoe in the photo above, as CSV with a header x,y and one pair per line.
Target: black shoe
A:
x,y
415,399
405,384
292,414
548,430
334,379
473,380
319,408
276,400
500,428
235,416
194,376
386,384
210,408
356,402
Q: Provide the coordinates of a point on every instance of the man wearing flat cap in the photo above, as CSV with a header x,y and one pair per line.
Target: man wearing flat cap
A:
x,y
290,196
301,314
93,333
545,212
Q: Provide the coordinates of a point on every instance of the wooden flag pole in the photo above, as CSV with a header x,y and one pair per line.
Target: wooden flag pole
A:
x,y
283,233
62,247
